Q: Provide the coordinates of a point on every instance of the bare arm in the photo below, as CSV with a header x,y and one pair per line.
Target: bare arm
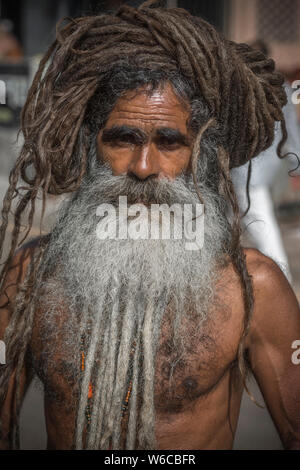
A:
x,y
14,277
274,329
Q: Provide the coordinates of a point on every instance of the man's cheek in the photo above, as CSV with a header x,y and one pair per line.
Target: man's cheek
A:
x,y
173,165
118,159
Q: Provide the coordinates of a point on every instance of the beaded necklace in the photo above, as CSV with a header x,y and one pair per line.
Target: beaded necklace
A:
x,y
88,408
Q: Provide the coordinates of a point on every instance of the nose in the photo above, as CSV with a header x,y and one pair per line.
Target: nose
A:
x,y
144,164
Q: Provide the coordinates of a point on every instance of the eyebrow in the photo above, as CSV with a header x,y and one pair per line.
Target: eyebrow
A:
x,y
139,137
172,136
117,133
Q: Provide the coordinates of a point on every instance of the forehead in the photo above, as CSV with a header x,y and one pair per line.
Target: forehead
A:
x,y
162,109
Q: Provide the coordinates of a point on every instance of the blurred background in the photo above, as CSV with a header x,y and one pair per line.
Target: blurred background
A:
x,y
27,27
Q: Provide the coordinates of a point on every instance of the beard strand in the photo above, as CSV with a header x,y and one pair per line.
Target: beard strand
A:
x,y
118,292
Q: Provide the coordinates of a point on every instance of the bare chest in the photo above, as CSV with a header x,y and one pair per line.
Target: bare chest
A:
x,y
182,376
183,379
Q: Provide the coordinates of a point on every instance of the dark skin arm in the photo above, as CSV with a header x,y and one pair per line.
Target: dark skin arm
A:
x,y
275,327
14,276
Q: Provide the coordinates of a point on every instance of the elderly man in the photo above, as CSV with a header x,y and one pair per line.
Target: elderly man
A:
x,y
142,343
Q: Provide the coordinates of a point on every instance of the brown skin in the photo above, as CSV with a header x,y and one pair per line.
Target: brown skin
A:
x,y
154,140
202,413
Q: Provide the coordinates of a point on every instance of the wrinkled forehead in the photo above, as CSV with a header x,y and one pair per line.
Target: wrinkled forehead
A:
x,y
148,110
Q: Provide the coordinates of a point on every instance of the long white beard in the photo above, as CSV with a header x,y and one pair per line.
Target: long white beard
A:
x,y
121,290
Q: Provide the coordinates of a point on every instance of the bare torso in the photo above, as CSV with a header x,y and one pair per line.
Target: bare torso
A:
x,y
200,409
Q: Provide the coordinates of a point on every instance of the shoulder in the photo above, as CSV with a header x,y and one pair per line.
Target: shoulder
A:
x,y
24,254
14,277
265,273
259,264
18,266
275,305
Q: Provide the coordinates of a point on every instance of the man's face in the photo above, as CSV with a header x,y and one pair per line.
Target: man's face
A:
x,y
147,136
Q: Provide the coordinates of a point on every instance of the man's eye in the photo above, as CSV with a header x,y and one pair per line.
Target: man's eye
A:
x,y
168,144
123,141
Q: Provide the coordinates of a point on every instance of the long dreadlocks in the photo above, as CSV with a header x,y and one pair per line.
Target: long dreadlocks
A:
x,y
239,86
